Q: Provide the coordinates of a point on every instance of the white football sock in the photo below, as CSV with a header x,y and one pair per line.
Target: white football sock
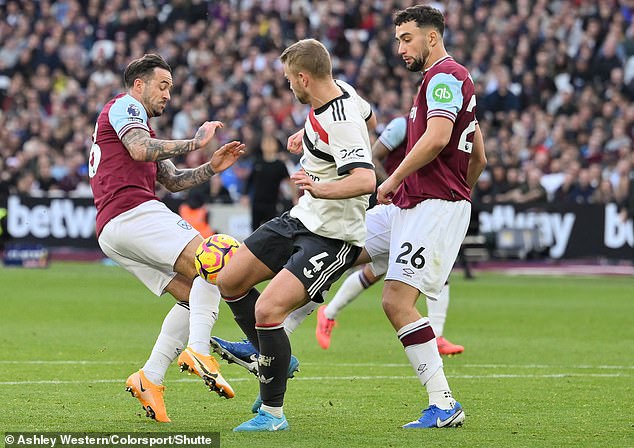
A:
x,y
427,364
348,291
437,311
298,316
438,390
273,410
204,300
169,344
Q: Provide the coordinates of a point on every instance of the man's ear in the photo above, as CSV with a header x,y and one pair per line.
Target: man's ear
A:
x,y
303,78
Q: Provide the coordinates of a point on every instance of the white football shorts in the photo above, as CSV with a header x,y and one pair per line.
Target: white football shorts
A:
x,y
417,246
146,241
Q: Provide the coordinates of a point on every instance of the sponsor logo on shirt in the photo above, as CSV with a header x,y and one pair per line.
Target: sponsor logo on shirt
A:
x,y
348,153
442,93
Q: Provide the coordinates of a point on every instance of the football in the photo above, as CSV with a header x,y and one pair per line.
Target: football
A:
x,y
213,254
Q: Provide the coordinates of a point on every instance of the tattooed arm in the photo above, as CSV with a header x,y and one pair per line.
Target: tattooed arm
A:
x,y
144,148
175,179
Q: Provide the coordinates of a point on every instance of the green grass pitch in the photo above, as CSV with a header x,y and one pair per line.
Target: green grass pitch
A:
x,y
549,362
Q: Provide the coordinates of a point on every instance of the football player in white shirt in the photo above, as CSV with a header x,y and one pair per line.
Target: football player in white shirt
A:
x,y
304,251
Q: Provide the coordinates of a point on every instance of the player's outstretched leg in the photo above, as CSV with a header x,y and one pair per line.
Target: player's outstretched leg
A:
x,y
350,289
242,353
245,355
149,394
208,369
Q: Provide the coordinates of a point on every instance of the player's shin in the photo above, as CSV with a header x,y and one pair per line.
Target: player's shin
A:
x,y
243,309
204,300
420,347
275,355
169,344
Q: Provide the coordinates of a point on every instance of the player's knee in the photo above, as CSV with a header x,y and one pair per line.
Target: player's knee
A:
x,y
264,314
226,286
390,306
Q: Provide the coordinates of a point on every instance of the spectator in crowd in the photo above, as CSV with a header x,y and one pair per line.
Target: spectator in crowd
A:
x,y
263,187
560,79
581,190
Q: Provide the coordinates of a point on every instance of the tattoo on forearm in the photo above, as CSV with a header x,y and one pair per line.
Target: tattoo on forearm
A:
x,y
175,179
144,147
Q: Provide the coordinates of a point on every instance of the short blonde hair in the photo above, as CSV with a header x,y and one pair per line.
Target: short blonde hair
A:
x,y
308,55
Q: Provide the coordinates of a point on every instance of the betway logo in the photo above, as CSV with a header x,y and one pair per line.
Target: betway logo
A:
x,y
62,218
617,233
554,228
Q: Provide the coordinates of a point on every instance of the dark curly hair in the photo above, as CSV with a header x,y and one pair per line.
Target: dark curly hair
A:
x,y
423,15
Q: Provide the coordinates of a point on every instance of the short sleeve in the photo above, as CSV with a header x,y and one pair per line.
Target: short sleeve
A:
x,y
127,113
394,133
364,108
444,96
349,148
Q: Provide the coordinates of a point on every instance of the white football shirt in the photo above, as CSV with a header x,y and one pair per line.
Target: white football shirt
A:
x,y
336,140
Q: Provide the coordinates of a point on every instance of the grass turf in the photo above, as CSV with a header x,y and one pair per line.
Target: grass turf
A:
x,y
548,362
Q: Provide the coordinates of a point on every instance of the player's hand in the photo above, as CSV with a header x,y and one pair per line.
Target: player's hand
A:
x,y
386,190
205,133
305,183
226,156
294,143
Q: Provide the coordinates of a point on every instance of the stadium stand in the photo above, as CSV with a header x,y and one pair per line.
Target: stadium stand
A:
x,y
555,83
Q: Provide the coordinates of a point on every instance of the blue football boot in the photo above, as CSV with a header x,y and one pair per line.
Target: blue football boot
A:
x,y
263,422
434,417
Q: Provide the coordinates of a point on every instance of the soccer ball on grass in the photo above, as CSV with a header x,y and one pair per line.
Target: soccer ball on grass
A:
x,y
213,254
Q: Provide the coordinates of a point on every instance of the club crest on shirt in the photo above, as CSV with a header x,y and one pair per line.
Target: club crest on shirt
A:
x,y
184,224
133,110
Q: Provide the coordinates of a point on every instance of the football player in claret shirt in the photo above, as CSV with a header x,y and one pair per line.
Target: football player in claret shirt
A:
x,y
147,239
426,201
387,152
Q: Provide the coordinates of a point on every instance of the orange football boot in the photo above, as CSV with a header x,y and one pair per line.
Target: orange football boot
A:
x,y
324,328
206,367
448,348
149,394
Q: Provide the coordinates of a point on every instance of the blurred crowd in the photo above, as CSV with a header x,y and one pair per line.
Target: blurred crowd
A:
x,y
554,80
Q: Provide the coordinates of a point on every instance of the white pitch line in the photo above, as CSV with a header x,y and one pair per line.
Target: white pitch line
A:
x,y
477,366
67,362
338,378
359,364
